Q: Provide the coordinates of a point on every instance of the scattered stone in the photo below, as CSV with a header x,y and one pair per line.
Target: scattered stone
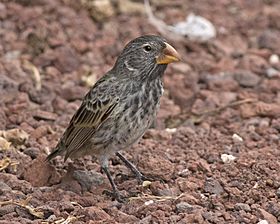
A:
x,y
211,217
171,130
87,179
44,115
278,192
274,59
267,216
221,82
121,217
246,78
6,209
261,109
263,222
226,158
196,28
181,67
269,39
236,138
32,152
40,132
131,7
204,165
155,166
182,89
183,207
4,188
70,93
12,55
165,112
272,73
242,206
95,214
213,186
66,59
99,10
149,202
273,208
40,173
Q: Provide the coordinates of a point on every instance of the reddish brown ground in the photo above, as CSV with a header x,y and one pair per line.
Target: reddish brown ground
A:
x,y
227,87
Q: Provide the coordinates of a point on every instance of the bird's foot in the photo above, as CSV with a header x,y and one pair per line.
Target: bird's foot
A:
x,y
115,195
141,178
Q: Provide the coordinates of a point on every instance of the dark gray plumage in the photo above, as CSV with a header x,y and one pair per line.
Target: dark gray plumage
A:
x,y
121,106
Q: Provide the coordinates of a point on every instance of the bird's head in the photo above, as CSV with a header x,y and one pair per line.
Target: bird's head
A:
x,y
147,53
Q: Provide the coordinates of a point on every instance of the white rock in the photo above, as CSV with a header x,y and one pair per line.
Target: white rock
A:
x,y
196,28
274,59
171,130
237,138
272,72
226,158
149,202
263,222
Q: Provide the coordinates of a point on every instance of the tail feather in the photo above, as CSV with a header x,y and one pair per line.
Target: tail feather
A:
x,y
57,151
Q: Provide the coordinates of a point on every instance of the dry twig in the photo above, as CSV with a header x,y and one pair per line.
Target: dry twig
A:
x,y
33,211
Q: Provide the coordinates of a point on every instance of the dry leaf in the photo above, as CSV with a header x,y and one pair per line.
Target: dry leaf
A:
x,y
34,73
4,163
15,136
4,144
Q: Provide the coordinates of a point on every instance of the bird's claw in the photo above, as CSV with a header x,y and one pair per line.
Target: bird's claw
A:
x,y
115,195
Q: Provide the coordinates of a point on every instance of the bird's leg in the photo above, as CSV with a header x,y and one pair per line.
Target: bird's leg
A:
x,y
140,177
115,194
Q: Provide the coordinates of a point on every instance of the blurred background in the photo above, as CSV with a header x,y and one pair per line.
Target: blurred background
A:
x,y
223,98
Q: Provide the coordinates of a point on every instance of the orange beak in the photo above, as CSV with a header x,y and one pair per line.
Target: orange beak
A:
x,y
168,55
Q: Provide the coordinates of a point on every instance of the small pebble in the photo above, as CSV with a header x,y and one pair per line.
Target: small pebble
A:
x,y
278,192
272,72
263,222
226,158
171,130
242,206
236,138
274,59
149,202
183,207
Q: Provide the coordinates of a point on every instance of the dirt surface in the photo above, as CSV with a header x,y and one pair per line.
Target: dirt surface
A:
x,y
215,146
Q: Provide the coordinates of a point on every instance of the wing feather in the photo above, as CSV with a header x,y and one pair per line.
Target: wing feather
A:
x,y
93,112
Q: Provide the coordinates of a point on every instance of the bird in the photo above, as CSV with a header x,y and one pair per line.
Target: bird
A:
x,y
120,107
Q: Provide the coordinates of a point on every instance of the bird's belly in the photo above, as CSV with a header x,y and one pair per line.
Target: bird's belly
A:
x,y
133,130
130,120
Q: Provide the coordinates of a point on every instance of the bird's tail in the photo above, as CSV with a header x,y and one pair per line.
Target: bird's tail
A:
x,y
57,151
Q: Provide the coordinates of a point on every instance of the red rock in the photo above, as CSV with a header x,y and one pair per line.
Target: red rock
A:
x,y
155,165
246,78
267,216
71,93
40,173
260,108
44,115
269,39
182,89
66,59
96,214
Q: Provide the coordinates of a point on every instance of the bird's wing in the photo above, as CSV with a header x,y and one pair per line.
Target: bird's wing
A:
x,y
92,113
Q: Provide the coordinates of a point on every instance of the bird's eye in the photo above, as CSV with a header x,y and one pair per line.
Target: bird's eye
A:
x,y
147,48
